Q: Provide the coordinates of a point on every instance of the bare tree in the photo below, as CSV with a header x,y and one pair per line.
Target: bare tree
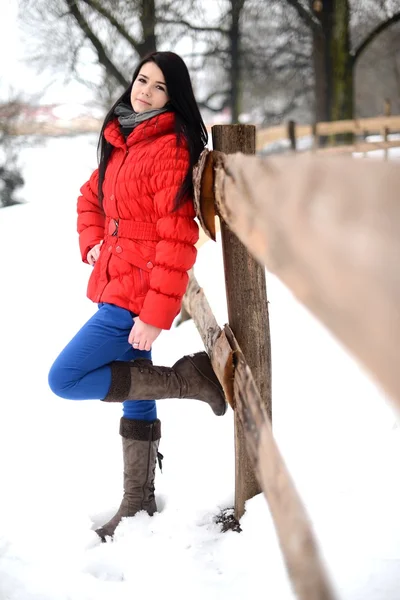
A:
x,y
277,73
97,42
257,57
10,174
246,55
333,24
377,74
91,41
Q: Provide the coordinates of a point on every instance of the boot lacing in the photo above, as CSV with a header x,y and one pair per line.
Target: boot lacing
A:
x,y
165,372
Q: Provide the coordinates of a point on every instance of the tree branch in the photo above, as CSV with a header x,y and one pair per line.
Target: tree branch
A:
x,y
205,103
306,16
113,21
217,109
101,52
219,53
215,94
373,34
193,27
277,117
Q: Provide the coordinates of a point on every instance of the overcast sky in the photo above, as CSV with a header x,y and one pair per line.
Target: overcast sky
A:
x,y
9,43
17,76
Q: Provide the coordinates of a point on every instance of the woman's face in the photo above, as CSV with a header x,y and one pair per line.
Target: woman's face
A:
x,y
149,90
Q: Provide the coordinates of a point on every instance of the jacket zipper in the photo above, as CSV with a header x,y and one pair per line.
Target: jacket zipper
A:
x,y
113,193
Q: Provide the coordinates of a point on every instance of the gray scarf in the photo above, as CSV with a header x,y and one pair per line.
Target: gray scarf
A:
x,y
128,118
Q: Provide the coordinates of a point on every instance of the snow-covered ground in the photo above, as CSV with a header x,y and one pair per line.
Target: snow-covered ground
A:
x,y
60,461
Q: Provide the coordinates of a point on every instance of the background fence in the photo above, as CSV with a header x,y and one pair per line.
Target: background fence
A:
x,y
323,137
376,133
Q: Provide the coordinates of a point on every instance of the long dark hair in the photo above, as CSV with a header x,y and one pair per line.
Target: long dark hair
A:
x,y
188,122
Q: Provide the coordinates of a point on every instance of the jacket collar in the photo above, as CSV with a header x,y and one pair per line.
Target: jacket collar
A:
x,y
154,127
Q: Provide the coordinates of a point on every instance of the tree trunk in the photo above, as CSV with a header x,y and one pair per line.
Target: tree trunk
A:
x,y
333,69
321,108
342,72
148,20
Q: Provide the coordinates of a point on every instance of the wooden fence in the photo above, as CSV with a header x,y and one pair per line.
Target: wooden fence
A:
x,y
288,135
330,230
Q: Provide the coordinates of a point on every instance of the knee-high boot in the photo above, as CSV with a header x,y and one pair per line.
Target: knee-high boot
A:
x,y
140,440
191,377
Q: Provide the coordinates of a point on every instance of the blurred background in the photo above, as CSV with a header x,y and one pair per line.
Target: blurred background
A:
x,y
252,61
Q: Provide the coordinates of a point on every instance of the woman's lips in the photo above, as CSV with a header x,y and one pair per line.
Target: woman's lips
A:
x,y
144,102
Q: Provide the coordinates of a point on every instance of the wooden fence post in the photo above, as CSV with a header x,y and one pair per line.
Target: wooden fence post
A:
x,y
291,132
387,111
247,312
365,138
315,139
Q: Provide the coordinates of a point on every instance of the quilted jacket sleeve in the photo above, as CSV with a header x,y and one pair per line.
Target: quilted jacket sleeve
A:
x,y
178,231
90,216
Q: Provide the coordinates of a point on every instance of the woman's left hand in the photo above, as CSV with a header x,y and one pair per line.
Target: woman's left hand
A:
x,y
143,335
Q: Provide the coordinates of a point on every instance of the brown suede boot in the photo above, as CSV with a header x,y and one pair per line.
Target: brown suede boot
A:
x,y
191,377
140,440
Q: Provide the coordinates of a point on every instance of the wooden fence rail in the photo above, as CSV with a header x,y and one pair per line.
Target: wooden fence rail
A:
x,y
329,228
291,521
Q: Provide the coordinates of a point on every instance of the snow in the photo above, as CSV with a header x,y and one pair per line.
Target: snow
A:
x,y
60,467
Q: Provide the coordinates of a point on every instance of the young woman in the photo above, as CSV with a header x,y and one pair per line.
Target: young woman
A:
x,y
136,228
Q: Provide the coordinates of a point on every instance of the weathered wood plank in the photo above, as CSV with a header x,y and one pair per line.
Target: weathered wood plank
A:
x,y
219,351
329,228
291,521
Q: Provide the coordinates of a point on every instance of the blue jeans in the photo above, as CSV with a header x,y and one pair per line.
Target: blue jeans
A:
x,y
82,371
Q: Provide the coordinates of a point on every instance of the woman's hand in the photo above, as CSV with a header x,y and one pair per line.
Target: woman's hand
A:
x,y
93,254
143,335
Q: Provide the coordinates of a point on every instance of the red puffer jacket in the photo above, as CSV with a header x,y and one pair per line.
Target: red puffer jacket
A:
x,y
147,248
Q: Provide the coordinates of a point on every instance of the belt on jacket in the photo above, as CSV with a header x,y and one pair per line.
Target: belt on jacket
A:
x,y
136,230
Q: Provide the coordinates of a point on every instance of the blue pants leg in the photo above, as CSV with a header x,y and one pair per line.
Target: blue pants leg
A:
x,y
82,371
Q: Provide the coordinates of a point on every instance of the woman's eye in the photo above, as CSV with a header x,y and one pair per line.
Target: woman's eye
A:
x,y
142,80
161,88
